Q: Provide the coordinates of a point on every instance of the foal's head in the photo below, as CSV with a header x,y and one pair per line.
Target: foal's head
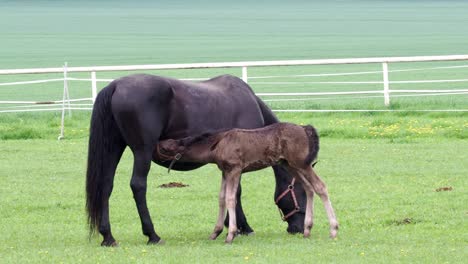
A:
x,y
188,147
171,147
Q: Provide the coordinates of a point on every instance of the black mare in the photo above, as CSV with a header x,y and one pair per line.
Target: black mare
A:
x,y
139,110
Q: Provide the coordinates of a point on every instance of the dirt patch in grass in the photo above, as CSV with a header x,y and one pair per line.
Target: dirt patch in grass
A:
x,y
173,185
444,189
403,221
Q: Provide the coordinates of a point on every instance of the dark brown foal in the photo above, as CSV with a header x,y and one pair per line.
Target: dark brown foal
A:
x,y
243,150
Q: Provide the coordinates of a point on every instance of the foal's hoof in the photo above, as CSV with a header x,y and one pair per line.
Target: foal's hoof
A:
x,y
110,243
334,231
230,237
156,242
214,235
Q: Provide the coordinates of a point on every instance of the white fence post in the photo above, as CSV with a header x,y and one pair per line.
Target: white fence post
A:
x,y
93,86
244,73
386,91
64,99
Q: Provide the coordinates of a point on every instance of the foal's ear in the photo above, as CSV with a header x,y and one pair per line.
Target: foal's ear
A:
x,y
215,144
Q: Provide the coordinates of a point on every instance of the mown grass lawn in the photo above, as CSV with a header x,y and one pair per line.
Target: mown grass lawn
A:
x,y
384,190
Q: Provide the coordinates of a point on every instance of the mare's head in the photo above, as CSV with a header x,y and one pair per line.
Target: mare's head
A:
x,y
292,209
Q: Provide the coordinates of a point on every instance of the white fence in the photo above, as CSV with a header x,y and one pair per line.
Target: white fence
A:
x,y
77,104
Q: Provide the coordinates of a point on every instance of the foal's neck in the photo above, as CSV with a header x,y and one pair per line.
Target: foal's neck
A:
x,y
200,153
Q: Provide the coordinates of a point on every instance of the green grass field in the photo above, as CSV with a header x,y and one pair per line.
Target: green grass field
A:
x,y
384,194
383,170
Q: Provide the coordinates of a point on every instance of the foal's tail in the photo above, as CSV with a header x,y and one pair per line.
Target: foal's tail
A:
x,y
313,137
104,140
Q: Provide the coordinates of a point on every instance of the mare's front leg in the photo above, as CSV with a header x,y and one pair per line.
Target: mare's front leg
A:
x,y
232,182
141,166
222,210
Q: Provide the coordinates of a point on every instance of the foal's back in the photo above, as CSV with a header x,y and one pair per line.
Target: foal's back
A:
x,y
259,148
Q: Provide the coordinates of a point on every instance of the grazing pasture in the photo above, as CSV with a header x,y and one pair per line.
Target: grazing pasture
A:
x,y
383,188
398,181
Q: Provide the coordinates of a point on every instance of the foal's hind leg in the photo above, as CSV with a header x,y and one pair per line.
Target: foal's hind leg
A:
x,y
309,190
222,210
321,190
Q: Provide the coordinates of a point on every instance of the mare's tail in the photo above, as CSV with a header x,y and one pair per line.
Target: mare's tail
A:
x,y
104,140
313,137
268,116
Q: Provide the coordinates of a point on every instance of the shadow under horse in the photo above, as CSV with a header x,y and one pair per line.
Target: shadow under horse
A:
x,y
140,110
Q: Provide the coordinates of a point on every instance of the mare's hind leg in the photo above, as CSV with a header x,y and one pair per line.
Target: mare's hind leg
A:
x,y
222,210
109,168
321,190
138,183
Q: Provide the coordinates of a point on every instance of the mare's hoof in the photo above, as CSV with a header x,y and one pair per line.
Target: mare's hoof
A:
x,y
156,242
111,243
244,233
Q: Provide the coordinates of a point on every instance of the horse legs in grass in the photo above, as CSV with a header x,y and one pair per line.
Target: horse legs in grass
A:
x,y
309,213
141,167
309,190
242,225
222,210
112,160
232,182
320,188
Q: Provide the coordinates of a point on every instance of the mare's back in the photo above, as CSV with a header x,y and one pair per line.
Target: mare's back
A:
x,y
219,103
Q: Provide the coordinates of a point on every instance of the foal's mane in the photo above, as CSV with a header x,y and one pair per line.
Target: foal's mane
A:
x,y
203,139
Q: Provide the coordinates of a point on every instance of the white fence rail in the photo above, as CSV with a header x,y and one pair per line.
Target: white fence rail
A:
x,y
67,104
244,65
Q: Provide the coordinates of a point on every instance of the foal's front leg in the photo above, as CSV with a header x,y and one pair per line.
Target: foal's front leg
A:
x,y
232,182
218,229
